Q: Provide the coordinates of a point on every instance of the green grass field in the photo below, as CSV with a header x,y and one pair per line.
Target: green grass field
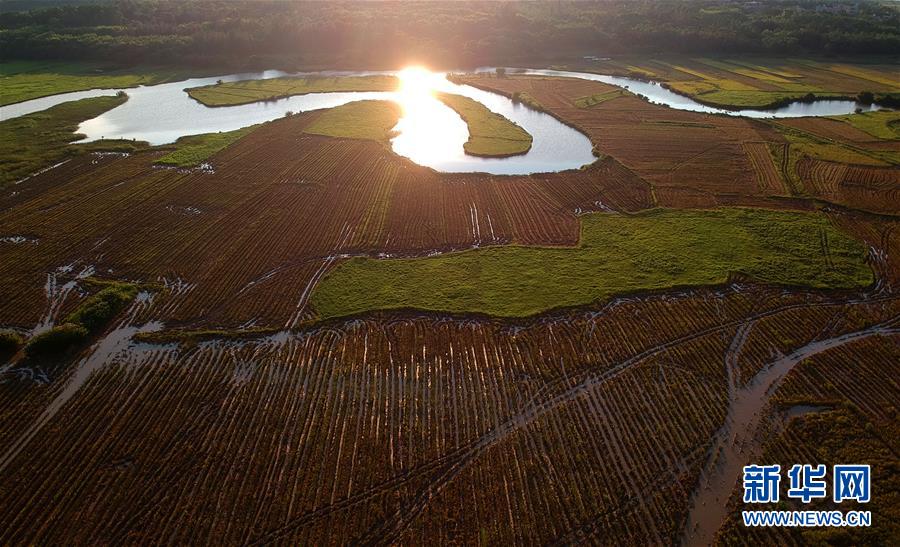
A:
x,y
883,124
30,143
193,150
490,134
251,91
617,254
25,80
373,120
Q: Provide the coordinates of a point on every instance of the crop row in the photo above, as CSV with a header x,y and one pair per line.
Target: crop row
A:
x,y
875,189
252,235
586,425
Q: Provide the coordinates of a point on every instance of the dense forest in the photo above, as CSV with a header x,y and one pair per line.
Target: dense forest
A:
x,y
442,33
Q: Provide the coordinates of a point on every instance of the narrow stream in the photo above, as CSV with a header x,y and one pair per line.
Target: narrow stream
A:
x,y
737,443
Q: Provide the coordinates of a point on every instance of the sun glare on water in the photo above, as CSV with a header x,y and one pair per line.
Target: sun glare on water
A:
x,y
427,128
417,85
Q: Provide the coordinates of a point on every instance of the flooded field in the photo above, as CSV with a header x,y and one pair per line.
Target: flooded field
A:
x,y
222,405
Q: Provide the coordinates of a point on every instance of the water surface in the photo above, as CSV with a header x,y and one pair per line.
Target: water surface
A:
x,y
429,132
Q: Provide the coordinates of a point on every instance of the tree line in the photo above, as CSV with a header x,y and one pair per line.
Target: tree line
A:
x,y
216,32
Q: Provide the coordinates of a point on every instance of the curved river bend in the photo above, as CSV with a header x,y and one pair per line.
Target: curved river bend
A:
x,y
430,133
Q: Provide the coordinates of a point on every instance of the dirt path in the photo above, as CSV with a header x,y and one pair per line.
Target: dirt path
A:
x,y
736,443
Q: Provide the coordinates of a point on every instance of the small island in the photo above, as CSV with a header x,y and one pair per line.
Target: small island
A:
x,y
490,134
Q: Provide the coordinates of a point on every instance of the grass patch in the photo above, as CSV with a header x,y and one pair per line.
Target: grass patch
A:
x,y
192,337
883,124
193,150
251,91
709,93
99,309
373,120
26,80
523,97
35,141
617,254
806,144
56,341
112,145
490,134
598,98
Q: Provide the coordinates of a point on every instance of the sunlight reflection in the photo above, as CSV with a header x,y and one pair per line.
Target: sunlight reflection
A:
x,y
428,129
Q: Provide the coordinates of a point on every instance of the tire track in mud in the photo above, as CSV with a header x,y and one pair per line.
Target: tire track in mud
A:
x,y
112,344
548,397
737,444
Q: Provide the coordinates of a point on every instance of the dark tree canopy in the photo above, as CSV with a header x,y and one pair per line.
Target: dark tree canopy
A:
x,y
448,33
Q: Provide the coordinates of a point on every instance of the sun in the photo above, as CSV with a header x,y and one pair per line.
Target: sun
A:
x,y
416,80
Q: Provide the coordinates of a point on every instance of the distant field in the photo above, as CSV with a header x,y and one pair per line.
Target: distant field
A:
x,y
30,143
702,161
882,124
490,134
25,80
617,254
250,91
758,83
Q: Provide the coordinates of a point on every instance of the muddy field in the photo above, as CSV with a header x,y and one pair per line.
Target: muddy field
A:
x,y
217,409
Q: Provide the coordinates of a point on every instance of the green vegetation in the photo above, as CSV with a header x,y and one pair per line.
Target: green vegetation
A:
x,y
598,98
762,83
110,145
523,97
883,124
55,341
192,337
747,99
251,91
617,254
10,342
91,317
99,309
803,143
355,33
373,120
25,80
33,142
193,150
490,134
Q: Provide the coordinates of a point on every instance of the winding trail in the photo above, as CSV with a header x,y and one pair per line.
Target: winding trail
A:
x,y
736,443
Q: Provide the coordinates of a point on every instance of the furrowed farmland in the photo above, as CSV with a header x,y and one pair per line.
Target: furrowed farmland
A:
x,y
288,333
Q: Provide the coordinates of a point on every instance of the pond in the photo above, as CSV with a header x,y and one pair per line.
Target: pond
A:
x,y
429,132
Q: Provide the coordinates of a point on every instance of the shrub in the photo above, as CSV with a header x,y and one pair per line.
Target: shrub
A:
x,y
56,340
95,312
865,97
9,342
501,72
